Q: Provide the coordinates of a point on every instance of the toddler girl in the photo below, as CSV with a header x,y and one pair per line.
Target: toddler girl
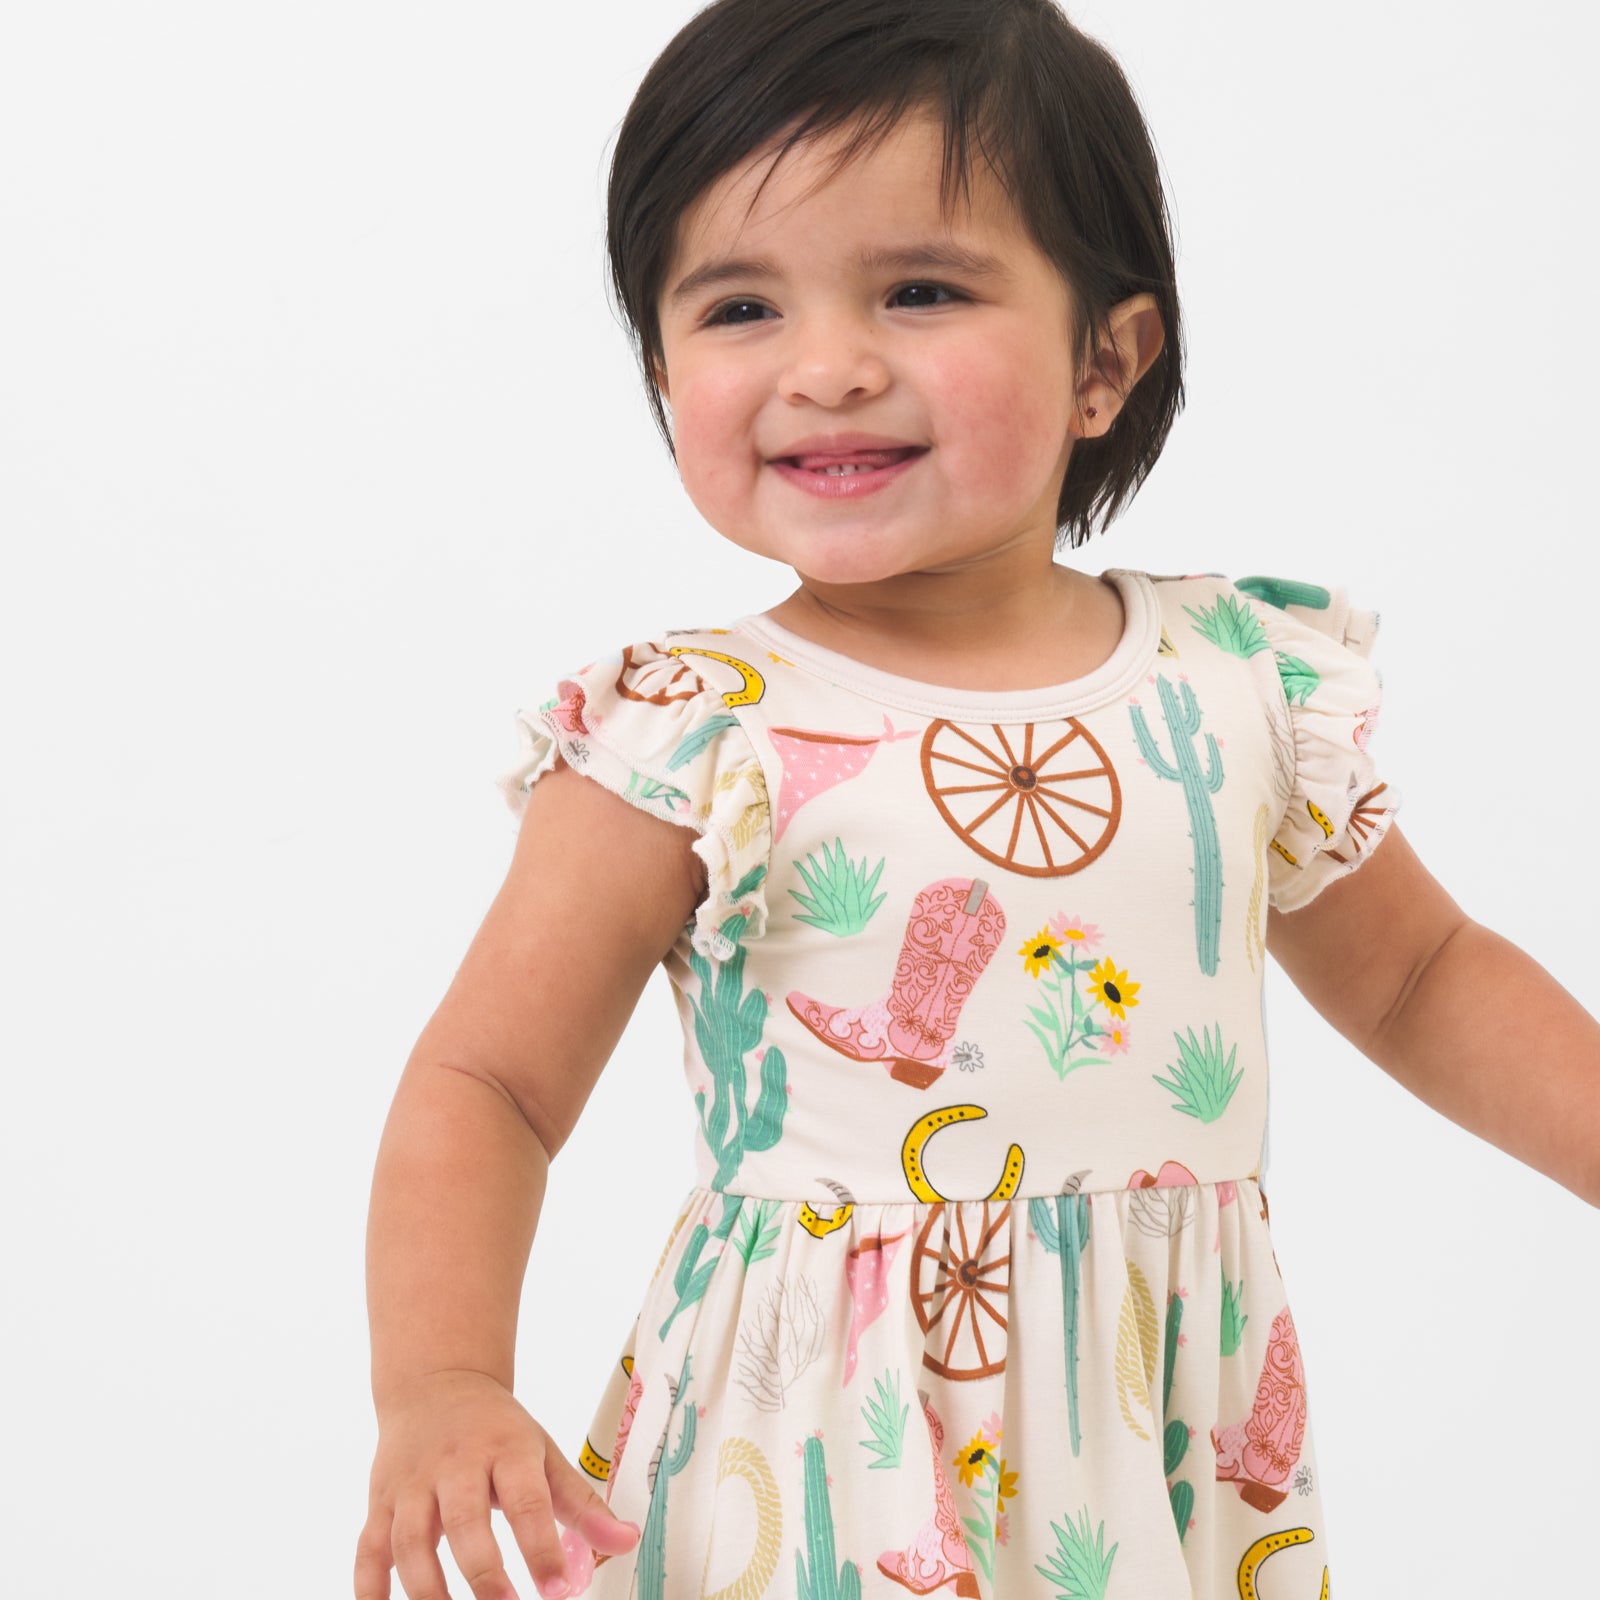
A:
x,y
964,866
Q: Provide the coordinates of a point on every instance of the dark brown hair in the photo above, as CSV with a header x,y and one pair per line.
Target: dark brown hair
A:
x,y
1052,112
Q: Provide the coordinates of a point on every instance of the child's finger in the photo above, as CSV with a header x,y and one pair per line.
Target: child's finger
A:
x,y
524,1497
373,1559
414,1542
579,1507
464,1515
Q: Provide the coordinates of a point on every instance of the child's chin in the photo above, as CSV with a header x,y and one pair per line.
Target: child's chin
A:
x,y
842,573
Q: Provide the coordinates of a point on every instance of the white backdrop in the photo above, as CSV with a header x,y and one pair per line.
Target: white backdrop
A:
x,y
321,451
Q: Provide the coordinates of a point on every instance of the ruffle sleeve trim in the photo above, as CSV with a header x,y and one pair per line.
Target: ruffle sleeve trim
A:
x,y
647,726
1338,808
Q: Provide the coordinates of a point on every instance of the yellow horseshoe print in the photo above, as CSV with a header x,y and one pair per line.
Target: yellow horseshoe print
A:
x,y
819,1226
925,1127
750,689
1261,1549
1320,817
590,1459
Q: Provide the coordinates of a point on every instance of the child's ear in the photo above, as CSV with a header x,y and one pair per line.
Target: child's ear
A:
x,y
659,373
1136,340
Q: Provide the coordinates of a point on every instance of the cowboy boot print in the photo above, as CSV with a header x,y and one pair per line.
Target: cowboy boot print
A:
x,y
1259,1453
952,933
938,1554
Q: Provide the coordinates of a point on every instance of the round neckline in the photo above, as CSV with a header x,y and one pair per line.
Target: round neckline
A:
x,y
1127,663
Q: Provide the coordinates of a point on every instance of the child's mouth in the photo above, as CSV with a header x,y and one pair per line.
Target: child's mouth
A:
x,y
848,476
856,461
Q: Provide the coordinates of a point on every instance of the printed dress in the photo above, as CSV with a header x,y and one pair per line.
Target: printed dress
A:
x,y
974,1294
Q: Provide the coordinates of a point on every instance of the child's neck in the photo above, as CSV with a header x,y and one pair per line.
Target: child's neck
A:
x,y
1049,637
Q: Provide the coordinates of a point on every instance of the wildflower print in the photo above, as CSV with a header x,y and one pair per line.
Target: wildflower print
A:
x,y
1065,1023
967,1055
969,1460
1083,935
1113,987
1037,952
982,1471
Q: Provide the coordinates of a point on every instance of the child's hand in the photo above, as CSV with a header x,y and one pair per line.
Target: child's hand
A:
x,y
453,1445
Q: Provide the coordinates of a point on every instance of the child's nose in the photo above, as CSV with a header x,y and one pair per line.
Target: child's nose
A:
x,y
832,358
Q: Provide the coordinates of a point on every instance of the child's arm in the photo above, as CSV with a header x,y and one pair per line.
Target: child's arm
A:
x,y
596,893
1390,959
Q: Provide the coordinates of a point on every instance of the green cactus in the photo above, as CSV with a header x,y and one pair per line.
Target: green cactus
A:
x,y
728,1024
1281,592
841,900
692,1274
888,1430
1232,1322
1231,625
1183,722
1181,1498
1175,1434
822,1581
1174,1324
1202,1084
651,1575
1174,1447
1064,1230
1082,1570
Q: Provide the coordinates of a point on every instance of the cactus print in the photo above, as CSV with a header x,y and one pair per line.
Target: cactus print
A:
x,y
974,1292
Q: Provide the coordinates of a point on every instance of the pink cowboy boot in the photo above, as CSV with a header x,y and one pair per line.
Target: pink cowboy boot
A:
x,y
952,933
939,1553
1259,1453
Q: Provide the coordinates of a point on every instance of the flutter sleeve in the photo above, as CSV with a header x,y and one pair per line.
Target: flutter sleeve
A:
x,y
1338,807
647,726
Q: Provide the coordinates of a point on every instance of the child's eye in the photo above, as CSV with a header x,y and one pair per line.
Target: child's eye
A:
x,y
942,288
715,317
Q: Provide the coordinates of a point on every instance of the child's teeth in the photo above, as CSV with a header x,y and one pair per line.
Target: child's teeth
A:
x,y
843,468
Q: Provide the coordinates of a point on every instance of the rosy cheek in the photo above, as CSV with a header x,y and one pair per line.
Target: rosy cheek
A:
x,y
989,408
711,416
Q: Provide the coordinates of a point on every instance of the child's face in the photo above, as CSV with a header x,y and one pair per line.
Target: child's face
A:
x,y
758,363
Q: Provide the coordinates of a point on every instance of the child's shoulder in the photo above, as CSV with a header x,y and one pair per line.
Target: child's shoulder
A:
x,y
1284,609
642,721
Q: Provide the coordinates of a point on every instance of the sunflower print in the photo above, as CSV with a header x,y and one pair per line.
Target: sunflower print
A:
x,y
977,1455
1039,952
1113,987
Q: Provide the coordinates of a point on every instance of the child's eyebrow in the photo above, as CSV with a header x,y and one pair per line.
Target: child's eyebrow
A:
x,y
945,255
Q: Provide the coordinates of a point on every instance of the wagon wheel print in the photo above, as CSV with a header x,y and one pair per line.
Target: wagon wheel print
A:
x,y
1044,815
1364,819
966,1288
